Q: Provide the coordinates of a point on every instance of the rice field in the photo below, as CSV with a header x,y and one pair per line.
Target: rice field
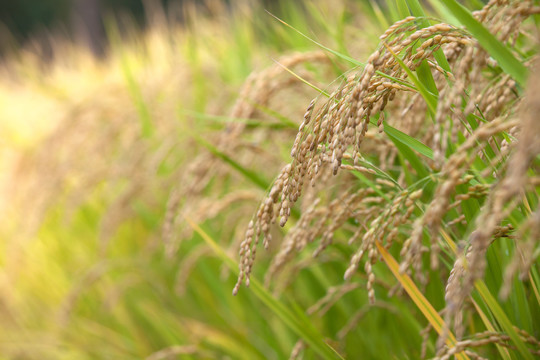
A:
x,y
318,180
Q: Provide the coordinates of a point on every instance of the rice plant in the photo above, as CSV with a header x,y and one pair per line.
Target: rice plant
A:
x,y
394,146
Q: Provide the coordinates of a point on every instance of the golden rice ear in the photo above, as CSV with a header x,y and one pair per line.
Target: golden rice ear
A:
x,y
256,96
340,124
334,140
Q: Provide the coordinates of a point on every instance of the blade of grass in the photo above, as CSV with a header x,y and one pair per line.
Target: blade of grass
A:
x,y
411,158
370,184
248,174
430,98
442,12
489,42
392,10
276,115
418,11
302,79
532,277
502,319
402,8
147,128
252,176
426,77
339,55
408,141
379,14
301,327
342,56
505,354
413,7
249,122
495,309
335,30
421,302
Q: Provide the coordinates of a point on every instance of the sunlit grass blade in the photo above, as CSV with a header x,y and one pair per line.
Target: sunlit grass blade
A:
x,y
147,127
442,12
409,141
383,22
502,319
489,42
418,11
505,355
343,56
336,53
300,326
320,91
283,122
418,298
402,8
411,158
535,280
253,176
430,98
276,115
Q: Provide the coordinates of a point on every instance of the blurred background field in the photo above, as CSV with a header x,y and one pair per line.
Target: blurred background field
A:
x,y
137,140
93,148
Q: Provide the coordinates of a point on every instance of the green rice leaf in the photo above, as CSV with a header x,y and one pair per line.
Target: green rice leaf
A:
x,y
342,56
336,53
418,298
442,12
248,174
300,325
410,157
418,11
147,127
489,326
283,121
489,42
276,115
502,319
430,98
409,141
379,14
402,8
320,91
370,184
